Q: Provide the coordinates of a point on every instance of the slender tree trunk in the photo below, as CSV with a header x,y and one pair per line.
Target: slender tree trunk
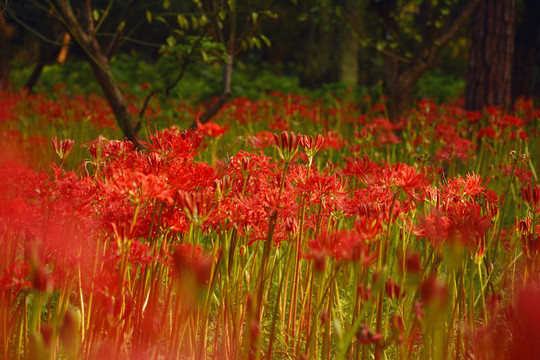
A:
x,y
525,49
320,48
47,53
117,101
349,46
489,78
6,32
348,64
225,95
34,76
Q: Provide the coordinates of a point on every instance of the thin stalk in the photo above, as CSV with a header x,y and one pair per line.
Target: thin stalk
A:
x,y
497,240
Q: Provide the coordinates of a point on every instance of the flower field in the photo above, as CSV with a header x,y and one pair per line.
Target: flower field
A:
x,y
287,228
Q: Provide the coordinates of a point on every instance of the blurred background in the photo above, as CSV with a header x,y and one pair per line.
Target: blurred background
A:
x,y
483,51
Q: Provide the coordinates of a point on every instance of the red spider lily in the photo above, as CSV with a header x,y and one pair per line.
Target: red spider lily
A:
x,y
311,145
189,260
434,290
63,148
468,226
392,289
280,124
261,140
525,176
197,205
332,140
249,172
458,148
412,262
360,168
328,190
514,333
368,228
340,245
435,227
189,176
287,145
173,144
531,195
365,336
42,279
488,132
137,187
15,276
211,128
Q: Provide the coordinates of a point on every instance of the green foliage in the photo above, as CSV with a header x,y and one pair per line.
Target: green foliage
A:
x,y
440,87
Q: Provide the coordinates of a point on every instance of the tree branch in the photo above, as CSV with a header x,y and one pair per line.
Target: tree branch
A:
x,y
115,39
452,28
88,21
425,56
169,88
225,95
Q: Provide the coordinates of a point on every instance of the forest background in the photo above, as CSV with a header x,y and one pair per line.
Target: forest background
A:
x,y
206,51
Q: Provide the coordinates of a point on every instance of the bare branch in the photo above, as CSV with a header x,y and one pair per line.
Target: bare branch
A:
x,y
86,10
115,39
425,56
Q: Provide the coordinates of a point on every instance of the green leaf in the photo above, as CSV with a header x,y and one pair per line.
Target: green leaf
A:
x,y
162,19
303,17
149,16
266,40
256,42
194,21
166,4
171,41
182,21
95,14
270,14
203,20
254,17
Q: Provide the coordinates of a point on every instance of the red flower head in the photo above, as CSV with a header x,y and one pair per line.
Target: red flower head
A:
x,y
62,148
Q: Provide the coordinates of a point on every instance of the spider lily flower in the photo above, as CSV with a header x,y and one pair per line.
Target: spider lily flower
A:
x,y
287,145
62,148
311,145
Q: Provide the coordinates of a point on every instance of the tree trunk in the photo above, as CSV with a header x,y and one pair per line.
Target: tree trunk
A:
x,y
489,78
399,100
349,46
6,32
348,64
117,101
525,49
320,47
402,74
84,33
47,53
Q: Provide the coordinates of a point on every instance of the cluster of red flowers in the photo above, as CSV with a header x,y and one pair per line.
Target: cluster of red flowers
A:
x,y
131,210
